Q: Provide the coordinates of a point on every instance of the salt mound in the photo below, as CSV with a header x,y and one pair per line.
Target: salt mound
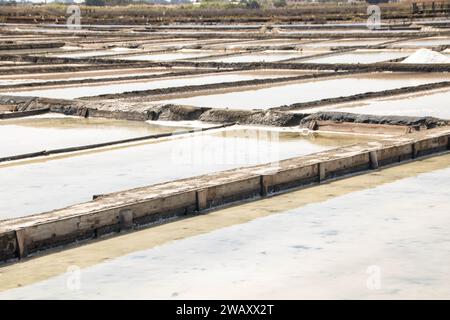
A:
x,y
426,56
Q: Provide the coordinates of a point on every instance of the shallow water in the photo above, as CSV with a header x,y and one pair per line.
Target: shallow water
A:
x,y
342,248
46,132
169,56
422,43
265,56
360,56
81,75
343,43
73,92
305,91
95,53
433,104
254,43
50,183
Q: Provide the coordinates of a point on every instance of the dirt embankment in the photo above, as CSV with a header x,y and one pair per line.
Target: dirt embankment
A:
x,y
178,113
105,62
424,122
375,67
281,119
36,45
48,68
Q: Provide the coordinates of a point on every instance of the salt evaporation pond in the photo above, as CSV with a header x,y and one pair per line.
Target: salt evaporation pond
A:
x,y
44,184
168,56
422,43
304,91
264,56
79,75
432,104
73,92
54,131
95,53
360,56
243,45
396,249
343,43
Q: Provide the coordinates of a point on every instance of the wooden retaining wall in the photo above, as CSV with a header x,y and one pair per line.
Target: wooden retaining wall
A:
x,y
168,201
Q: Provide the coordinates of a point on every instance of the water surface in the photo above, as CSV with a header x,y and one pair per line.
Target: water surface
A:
x,y
44,184
387,242
304,91
265,56
360,56
54,131
432,104
73,92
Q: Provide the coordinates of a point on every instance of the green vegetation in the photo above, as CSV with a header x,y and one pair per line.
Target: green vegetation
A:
x,y
280,3
95,2
210,12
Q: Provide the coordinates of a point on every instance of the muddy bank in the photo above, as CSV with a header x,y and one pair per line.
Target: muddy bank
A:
x,y
22,114
282,119
415,122
19,104
170,112
265,118
374,67
36,45
45,68
114,110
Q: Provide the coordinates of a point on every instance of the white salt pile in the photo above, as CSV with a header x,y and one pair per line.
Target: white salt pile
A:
x,y
426,56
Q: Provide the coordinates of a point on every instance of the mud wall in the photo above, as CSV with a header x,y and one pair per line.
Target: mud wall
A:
x,y
172,112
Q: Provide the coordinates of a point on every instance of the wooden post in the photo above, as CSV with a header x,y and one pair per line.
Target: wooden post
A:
x,y
21,240
322,172
201,196
266,182
373,159
125,219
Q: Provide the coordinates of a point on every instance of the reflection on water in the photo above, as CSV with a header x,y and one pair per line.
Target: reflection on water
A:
x,y
46,132
343,43
391,241
360,56
422,43
260,57
95,53
72,92
171,56
433,104
98,74
42,185
305,91
244,45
